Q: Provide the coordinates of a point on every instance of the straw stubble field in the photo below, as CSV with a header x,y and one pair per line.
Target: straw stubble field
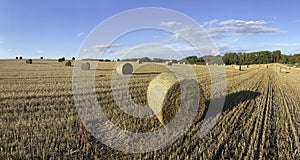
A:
x,y
38,119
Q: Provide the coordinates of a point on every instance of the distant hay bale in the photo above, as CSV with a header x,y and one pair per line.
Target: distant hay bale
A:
x,y
41,57
20,57
139,61
28,61
86,66
117,60
283,70
184,63
73,58
164,95
178,63
124,68
68,63
17,57
169,63
239,67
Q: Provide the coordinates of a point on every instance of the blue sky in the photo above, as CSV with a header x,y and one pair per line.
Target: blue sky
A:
x,y
52,29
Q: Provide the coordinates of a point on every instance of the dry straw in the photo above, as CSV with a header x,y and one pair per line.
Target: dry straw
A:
x,y
124,68
164,95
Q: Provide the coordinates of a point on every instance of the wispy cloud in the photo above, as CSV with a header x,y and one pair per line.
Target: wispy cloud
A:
x,y
101,47
170,23
225,48
211,22
231,27
80,34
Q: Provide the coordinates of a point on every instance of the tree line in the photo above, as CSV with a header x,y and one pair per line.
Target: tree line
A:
x,y
238,58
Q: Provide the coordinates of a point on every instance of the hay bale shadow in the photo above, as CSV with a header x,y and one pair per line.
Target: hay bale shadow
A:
x,y
234,99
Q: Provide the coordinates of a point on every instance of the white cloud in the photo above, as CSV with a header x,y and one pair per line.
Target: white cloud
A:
x,y
211,22
225,48
101,48
170,24
232,27
80,34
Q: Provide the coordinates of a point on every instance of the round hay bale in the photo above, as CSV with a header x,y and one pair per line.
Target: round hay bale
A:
x,y
86,66
17,57
28,61
165,95
124,68
41,57
169,63
139,61
73,58
68,63
20,57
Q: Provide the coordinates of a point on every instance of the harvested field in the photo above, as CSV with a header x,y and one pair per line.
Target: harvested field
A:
x,y
38,118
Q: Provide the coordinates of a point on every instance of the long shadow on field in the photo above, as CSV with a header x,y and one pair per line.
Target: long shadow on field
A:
x,y
40,63
103,69
146,73
234,99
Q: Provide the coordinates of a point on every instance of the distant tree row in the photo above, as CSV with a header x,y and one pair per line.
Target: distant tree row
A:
x,y
260,57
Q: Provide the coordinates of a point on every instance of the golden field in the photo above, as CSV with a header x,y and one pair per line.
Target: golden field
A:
x,y
38,118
